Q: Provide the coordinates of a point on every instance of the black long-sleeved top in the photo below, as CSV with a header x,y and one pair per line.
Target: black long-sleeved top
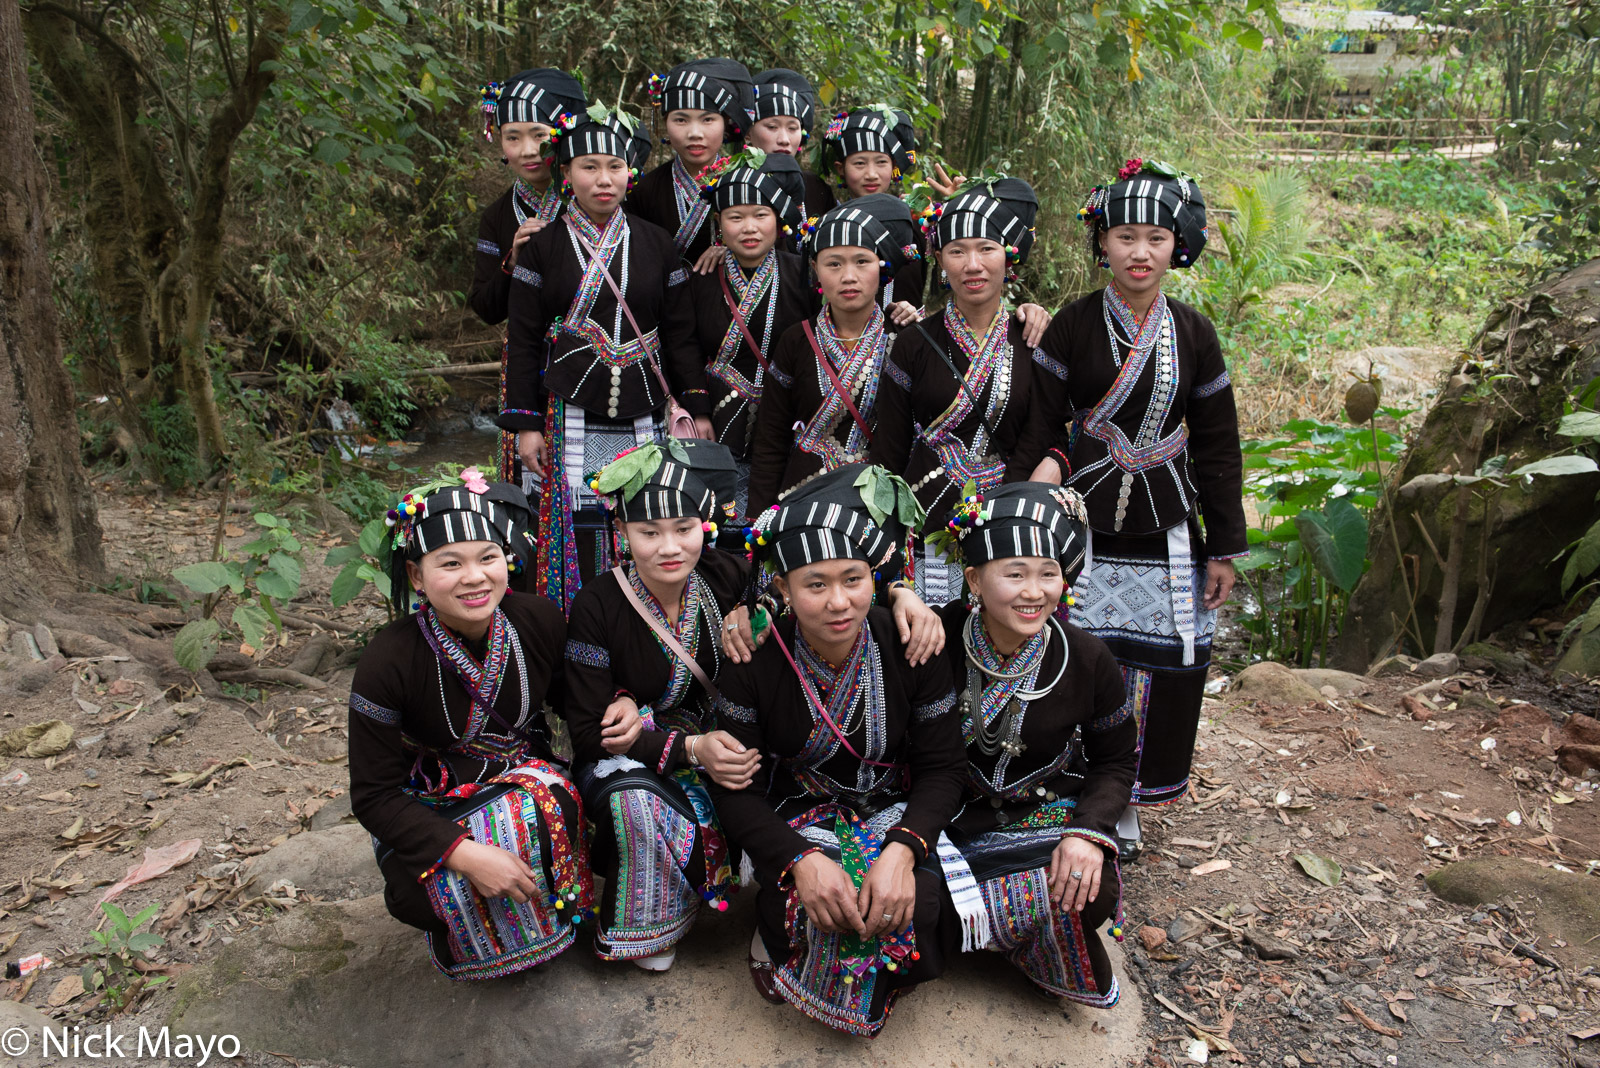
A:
x,y
1190,458
732,416
407,710
763,705
609,647
492,264
546,282
1083,714
653,199
918,388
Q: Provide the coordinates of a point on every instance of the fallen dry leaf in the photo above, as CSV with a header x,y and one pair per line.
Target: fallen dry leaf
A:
x,y
1397,1012
233,530
67,988
1211,866
156,863
1368,1022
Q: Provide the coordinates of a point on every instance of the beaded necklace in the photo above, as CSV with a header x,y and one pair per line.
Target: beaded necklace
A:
x,y
1156,338
988,367
546,205
696,599
692,211
763,285
854,693
1124,328
996,699
859,365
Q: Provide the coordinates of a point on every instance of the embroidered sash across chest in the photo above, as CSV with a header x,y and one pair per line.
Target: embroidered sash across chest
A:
x,y
855,697
761,287
1155,342
697,600
859,370
578,321
692,211
528,203
988,367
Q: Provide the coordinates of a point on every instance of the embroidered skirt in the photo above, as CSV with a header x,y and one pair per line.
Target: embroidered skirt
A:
x,y
541,822
661,851
1003,877
820,973
1140,594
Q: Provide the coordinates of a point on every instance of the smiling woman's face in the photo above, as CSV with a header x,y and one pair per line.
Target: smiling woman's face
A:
x,y
1139,255
464,581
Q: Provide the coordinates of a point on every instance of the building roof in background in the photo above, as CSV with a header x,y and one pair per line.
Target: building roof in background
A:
x,y
1354,20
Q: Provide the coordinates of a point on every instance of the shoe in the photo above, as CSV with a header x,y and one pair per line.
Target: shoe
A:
x,y
761,974
1130,837
658,963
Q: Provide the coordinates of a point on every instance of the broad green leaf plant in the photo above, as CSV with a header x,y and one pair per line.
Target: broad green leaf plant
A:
x,y
262,576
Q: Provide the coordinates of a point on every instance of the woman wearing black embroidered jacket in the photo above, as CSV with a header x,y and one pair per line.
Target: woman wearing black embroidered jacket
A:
x,y
1154,448
1051,747
956,396
755,199
611,362
451,766
521,113
862,764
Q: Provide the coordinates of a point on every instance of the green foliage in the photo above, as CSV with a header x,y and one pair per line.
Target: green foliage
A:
x,y
113,956
261,575
1318,483
359,564
1264,242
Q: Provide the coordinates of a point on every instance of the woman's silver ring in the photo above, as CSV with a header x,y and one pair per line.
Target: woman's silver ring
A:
x,y
1077,875
888,915
732,625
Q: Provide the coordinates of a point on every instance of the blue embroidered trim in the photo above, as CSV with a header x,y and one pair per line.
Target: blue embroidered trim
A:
x,y
1216,385
594,656
677,278
519,411
373,711
786,381
897,374
724,708
1050,364
1110,719
488,248
934,709
533,278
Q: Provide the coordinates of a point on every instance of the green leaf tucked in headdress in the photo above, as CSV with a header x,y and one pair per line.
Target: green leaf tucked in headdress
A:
x,y
629,472
1167,170
885,495
600,113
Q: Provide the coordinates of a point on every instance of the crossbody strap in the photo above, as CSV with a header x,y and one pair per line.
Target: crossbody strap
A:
x,y
822,709
838,386
623,304
662,632
733,306
961,379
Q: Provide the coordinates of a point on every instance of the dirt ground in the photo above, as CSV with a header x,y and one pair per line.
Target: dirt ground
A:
x,y
1378,970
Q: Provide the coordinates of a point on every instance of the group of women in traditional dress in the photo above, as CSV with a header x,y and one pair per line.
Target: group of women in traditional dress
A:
x,y
889,610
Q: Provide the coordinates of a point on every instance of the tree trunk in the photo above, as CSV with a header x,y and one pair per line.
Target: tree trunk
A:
x,y
49,534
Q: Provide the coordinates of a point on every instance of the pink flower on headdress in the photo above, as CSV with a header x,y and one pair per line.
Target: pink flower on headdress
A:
x,y
473,479
1129,169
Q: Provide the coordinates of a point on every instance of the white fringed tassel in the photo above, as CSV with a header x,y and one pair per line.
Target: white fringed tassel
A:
x,y
964,893
1180,570
747,870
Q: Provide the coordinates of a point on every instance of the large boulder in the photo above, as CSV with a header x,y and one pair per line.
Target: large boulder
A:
x,y
333,863
343,982
1537,348
1563,906
1274,684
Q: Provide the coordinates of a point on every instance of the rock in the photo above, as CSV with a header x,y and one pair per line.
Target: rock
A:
x,y
30,676
344,982
1482,702
1439,664
334,863
1152,937
46,640
1269,948
1184,928
335,812
1579,749
1481,656
1563,905
1345,683
1274,684
15,1016
1392,665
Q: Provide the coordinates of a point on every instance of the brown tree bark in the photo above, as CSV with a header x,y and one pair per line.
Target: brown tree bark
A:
x,y
49,533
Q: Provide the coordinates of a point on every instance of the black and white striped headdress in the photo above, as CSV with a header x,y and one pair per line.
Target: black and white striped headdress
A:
x,y
827,519
870,129
1172,203
717,84
1022,519
585,137
540,95
879,222
1002,210
475,510
687,479
785,92
777,183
